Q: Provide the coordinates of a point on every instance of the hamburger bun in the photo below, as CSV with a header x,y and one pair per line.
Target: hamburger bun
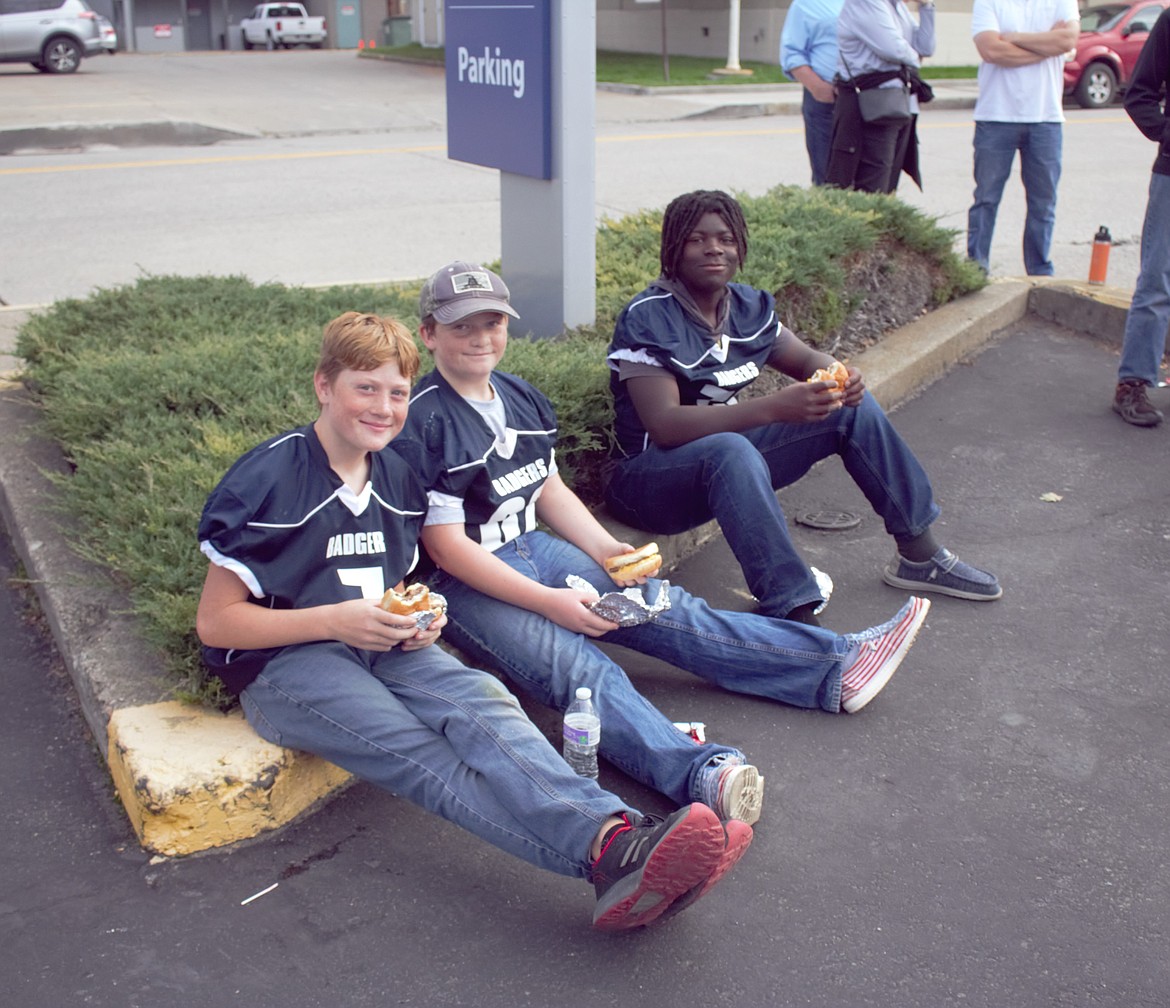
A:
x,y
835,373
417,598
642,562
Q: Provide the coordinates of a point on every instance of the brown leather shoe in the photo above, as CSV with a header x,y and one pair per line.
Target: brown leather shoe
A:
x,y
1132,404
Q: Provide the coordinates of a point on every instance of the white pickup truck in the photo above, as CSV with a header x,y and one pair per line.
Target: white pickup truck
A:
x,y
282,26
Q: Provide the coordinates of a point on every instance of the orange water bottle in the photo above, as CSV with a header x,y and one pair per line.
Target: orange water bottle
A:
x,y
1099,263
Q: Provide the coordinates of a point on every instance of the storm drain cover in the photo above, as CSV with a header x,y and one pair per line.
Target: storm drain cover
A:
x,y
828,519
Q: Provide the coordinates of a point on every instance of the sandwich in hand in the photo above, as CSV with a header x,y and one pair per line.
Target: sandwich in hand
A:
x,y
412,601
644,562
835,373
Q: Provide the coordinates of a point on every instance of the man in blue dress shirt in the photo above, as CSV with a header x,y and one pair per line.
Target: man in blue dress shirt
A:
x,y
808,54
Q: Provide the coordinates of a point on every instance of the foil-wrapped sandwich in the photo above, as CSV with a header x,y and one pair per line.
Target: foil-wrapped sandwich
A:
x,y
418,601
628,607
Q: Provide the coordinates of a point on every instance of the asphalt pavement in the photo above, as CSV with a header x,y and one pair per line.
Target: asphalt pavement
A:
x,y
990,831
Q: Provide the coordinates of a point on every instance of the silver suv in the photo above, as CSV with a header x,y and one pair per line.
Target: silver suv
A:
x,y
52,35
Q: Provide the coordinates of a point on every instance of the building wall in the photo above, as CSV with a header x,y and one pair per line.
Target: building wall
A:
x,y
699,28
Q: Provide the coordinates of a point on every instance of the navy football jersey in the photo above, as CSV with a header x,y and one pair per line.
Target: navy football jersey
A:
x,y
460,459
655,329
298,536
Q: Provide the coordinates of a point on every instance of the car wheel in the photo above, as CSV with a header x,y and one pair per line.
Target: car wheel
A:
x,y
247,44
1097,86
270,44
61,55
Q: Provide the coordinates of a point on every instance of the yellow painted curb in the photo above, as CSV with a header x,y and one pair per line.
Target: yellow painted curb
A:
x,y
191,778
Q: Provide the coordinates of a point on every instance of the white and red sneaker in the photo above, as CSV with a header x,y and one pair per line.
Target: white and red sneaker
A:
x,y
877,652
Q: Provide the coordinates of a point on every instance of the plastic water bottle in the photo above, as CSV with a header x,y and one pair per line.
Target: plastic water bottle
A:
x,y
582,734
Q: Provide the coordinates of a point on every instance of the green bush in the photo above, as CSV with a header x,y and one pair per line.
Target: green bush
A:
x,y
152,390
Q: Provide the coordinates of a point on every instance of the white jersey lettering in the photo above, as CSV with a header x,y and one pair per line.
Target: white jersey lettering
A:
x,y
738,376
355,544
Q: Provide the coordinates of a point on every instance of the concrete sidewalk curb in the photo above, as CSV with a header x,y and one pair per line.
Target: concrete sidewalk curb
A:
x,y
192,778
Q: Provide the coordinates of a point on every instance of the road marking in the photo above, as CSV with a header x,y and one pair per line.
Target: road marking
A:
x,y
697,134
222,159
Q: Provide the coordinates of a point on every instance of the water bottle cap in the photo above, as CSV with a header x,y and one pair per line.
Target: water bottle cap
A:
x,y
584,693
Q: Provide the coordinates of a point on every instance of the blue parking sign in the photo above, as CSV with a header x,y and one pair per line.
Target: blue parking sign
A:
x,y
499,106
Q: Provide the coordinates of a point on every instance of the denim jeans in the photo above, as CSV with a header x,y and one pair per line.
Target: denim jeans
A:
x,y
742,652
1149,312
996,144
732,478
818,135
448,738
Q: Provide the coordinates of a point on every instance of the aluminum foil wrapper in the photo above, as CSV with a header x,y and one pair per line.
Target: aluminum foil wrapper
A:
x,y
426,617
628,607
825,584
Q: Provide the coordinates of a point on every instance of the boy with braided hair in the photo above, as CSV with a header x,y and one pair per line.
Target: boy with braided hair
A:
x,y
689,450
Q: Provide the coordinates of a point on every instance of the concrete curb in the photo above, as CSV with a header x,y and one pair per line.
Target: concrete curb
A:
x,y
192,778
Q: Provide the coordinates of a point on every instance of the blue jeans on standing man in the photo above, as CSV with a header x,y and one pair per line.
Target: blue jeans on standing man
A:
x,y
742,652
733,478
1149,311
448,738
996,144
818,134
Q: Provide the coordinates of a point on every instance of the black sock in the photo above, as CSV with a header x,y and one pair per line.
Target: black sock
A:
x,y
918,549
804,614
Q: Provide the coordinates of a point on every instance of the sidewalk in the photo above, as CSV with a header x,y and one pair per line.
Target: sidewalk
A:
x,y
192,778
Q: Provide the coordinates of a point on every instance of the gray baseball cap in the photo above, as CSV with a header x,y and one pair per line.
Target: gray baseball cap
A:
x,y
460,289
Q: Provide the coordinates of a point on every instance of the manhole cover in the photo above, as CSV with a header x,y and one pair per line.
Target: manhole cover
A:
x,y
829,520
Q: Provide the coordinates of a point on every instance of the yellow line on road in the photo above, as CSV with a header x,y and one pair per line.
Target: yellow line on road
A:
x,y
698,134
223,159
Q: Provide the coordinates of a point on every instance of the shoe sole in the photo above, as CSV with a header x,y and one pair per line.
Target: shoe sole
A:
x,y
744,799
890,577
739,839
901,644
681,859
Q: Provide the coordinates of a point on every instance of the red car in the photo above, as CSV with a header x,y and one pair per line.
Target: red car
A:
x,y
1112,35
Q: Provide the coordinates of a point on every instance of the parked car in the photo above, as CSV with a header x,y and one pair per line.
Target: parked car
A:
x,y
1112,36
109,35
52,35
282,26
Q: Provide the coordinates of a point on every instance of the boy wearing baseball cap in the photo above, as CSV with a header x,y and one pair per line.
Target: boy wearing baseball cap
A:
x,y
303,535
483,442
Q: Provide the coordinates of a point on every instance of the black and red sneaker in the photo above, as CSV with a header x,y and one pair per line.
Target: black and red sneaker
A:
x,y
646,865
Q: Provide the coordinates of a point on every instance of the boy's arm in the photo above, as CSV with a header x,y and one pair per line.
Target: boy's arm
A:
x,y
565,513
225,618
670,423
465,559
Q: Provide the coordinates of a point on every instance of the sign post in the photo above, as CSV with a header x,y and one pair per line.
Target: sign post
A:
x,y
520,97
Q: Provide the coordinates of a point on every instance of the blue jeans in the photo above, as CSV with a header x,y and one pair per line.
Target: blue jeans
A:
x,y
448,738
818,135
1149,311
996,144
796,664
732,478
